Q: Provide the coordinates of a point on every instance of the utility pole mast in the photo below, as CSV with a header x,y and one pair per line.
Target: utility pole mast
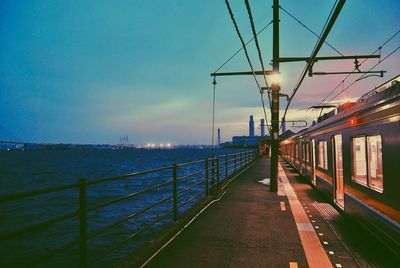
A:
x,y
275,88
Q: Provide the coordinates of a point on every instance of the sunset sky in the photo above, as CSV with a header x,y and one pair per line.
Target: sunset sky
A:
x,y
93,71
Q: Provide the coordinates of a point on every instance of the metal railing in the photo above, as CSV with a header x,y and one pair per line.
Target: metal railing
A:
x,y
188,189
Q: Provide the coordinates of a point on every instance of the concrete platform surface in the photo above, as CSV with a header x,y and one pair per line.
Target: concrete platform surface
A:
x,y
248,227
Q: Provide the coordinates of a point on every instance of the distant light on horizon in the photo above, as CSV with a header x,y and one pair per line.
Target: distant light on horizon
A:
x,y
156,145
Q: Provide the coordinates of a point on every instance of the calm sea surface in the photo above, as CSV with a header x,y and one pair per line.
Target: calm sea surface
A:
x,y
30,170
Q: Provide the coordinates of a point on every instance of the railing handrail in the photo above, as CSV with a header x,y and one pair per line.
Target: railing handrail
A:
x,y
239,160
191,163
17,196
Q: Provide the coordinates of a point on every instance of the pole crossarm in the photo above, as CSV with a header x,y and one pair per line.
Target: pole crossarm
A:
x,y
304,122
369,72
321,107
266,72
317,47
307,59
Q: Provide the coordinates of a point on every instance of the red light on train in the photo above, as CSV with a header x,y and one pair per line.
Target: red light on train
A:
x,y
353,121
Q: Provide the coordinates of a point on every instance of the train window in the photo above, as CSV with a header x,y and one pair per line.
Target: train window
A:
x,y
375,174
322,155
359,161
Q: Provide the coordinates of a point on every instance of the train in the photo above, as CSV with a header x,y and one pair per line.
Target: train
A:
x,y
352,156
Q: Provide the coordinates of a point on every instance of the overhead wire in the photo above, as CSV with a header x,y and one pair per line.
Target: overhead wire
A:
x,y
253,28
241,48
355,69
309,29
341,84
355,81
219,68
247,54
324,33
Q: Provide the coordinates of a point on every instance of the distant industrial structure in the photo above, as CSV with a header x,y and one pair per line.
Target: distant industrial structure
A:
x,y
251,126
124,140
219,137
251,140
262,127
124,143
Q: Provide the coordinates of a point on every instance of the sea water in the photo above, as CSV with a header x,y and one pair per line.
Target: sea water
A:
x,y
22,171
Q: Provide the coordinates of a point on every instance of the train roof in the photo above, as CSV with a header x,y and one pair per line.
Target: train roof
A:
x,y
380,94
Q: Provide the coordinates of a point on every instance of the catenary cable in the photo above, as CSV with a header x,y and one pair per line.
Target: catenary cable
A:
x,y
247,55
241,48
378,49
309,29
355,81
253,29
324,33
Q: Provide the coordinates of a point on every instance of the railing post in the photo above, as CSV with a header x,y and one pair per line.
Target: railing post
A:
x,y
217,170
206,168
212,170
235,162
175,192
82,224
226,166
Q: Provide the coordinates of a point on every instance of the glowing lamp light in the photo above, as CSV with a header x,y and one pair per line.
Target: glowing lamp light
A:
x,y
353,121
276,78
168,144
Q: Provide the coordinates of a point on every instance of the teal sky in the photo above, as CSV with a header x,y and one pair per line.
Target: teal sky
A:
x,y
92,71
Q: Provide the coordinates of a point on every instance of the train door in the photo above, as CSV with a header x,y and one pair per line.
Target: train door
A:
x,y
313,178
338,170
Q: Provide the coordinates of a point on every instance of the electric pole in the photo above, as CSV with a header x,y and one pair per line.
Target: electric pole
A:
x,y
275,88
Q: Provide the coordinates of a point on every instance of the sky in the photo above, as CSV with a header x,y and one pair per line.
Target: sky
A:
x,y
93,71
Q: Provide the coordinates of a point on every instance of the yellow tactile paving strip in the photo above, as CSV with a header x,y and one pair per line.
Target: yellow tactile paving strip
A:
x,y
315,253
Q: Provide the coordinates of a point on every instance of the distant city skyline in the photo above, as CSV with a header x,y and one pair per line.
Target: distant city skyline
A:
x,y
91,72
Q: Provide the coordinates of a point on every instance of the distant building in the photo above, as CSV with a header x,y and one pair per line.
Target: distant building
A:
x,y
245,141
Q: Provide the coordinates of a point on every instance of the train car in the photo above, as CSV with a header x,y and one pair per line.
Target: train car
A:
x,y
352,155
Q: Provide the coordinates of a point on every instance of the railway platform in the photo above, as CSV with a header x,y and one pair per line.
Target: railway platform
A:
x,y
252,227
